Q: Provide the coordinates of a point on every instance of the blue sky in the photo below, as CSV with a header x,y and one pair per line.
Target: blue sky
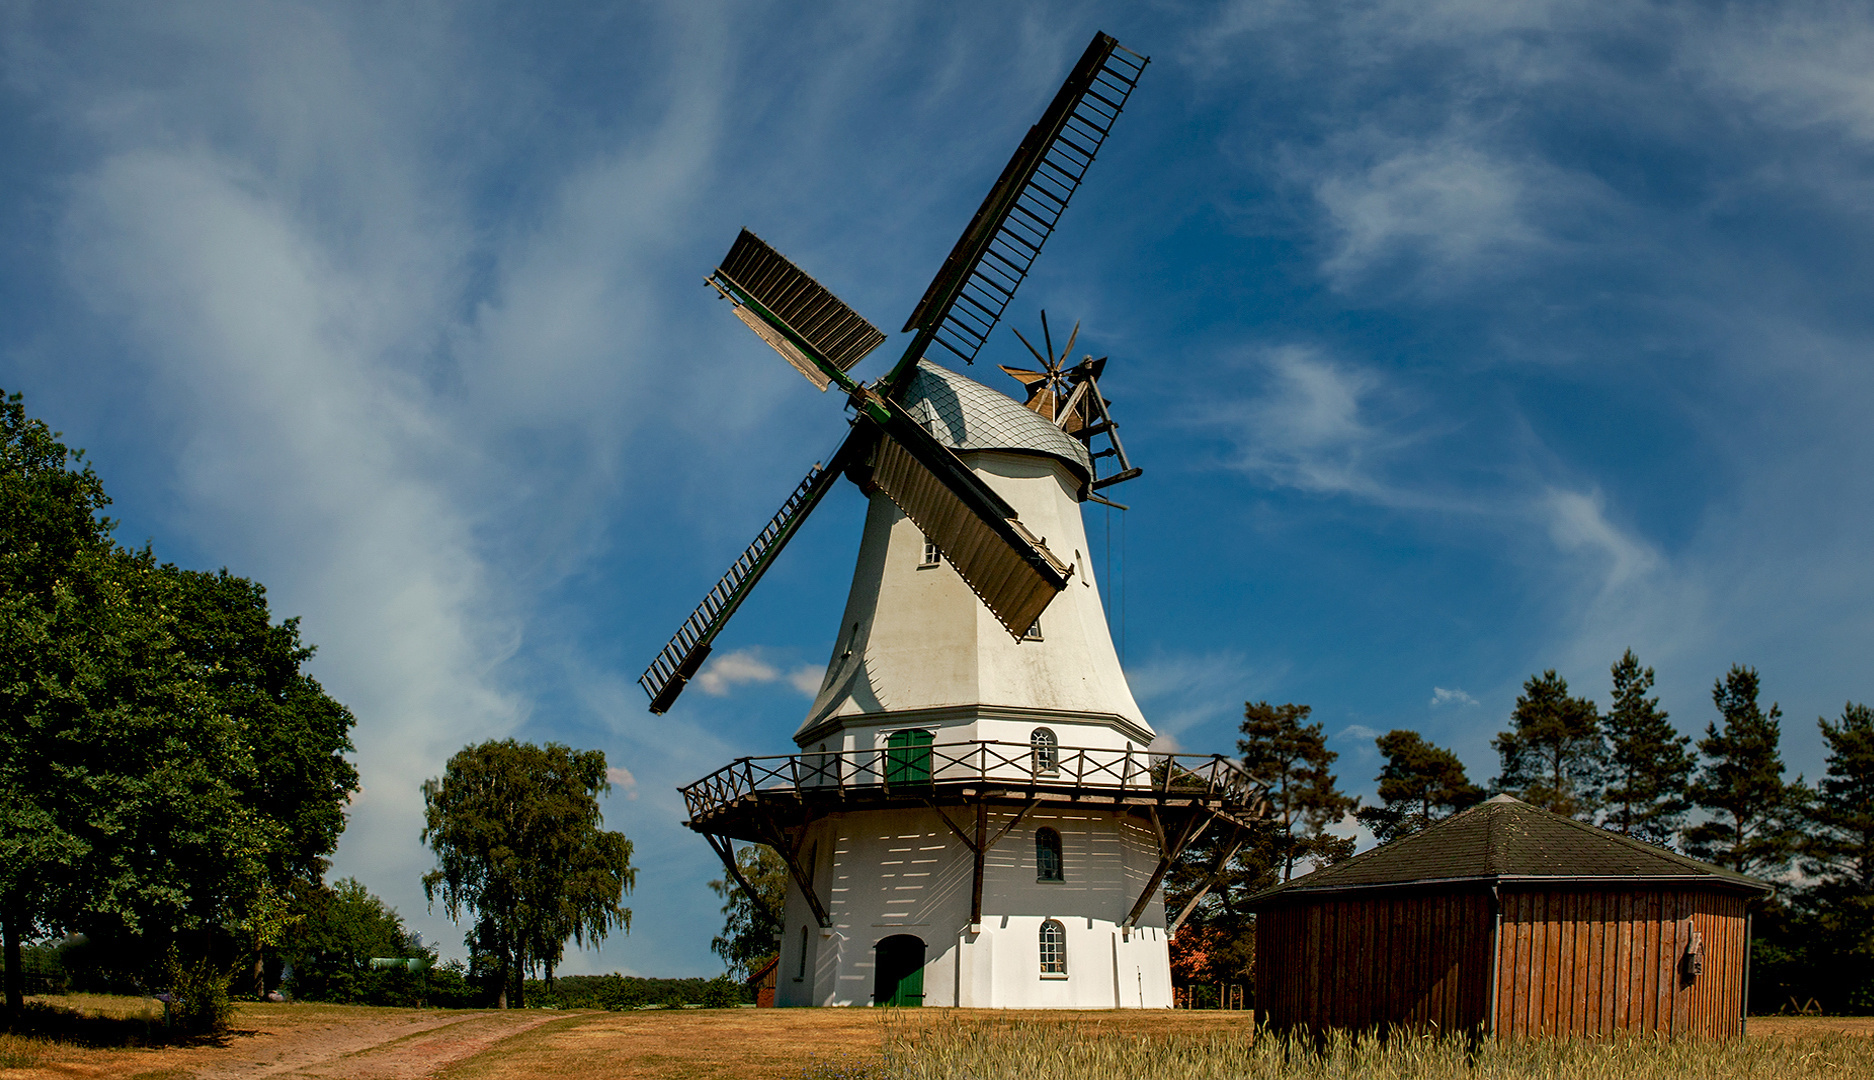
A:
x,y
1458,340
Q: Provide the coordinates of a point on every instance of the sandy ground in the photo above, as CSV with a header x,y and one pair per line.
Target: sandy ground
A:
x,y
758,1044
356,1043
303,1041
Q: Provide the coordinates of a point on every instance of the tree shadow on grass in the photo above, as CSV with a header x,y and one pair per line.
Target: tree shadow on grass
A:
x,y
57,1023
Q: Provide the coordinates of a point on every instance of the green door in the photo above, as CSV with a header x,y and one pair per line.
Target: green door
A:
x,y
907,758
899,972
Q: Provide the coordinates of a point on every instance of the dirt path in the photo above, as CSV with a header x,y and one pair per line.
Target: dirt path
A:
x,y
330,1042
395,1047
290,1041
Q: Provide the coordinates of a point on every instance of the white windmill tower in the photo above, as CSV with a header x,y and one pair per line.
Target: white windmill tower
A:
x,y
974,817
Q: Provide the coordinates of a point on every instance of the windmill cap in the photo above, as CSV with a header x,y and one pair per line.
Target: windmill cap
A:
x,y
966,415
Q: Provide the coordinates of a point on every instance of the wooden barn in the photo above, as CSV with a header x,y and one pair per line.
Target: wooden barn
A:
x,y
1509,920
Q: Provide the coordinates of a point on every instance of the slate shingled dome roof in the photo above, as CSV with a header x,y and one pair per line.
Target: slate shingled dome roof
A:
x,y
966,415
1507,840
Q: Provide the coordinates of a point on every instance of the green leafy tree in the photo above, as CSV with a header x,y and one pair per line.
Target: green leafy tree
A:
x,y
750,924
341,928
51,523
1752,828
518,838
1649,762
298,734
1420,783
1553,756
1291,759
121,809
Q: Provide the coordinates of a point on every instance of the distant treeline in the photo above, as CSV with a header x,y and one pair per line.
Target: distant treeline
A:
x,y
631,992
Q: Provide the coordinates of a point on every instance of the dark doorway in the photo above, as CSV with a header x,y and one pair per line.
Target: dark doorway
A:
x,y
899,972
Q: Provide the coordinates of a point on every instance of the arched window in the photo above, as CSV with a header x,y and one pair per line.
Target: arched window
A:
x,y
1048,855
1047,752
1053,948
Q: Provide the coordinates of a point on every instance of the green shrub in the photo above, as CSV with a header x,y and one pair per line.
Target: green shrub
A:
x,y
201,991
722,992
451,988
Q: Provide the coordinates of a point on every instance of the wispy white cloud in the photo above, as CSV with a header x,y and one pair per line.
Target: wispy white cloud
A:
x,y
1442,696
621,778
1309,428
397,421
725,672
1804,67
1453,204
1578,523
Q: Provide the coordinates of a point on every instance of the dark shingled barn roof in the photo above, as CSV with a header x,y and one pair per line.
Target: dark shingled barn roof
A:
x,y
1506,840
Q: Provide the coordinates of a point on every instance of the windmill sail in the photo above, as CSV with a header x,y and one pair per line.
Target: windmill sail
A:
x,y
689,647
795,314
993,255
1014,573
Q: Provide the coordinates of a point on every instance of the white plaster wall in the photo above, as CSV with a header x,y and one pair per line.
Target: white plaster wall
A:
x,y
902,871
915,639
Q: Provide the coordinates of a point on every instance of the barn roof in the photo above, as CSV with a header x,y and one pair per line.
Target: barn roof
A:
x,y
1506,840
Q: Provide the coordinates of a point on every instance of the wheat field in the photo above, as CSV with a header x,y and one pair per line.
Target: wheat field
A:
x,y
997,1050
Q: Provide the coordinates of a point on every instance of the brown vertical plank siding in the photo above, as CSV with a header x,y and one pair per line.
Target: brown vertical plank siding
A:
x,y
1573,961
1416,960
1596,963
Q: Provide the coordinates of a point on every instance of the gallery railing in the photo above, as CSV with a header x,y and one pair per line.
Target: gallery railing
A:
x,y
915,769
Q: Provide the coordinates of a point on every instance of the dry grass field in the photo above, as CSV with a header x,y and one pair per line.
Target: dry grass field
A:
x,y
356,1043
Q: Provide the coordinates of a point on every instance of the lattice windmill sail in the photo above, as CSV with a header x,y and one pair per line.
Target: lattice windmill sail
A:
x,y
1003,562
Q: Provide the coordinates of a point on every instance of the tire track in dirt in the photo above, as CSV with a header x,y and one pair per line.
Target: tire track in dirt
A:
x,y
395,1048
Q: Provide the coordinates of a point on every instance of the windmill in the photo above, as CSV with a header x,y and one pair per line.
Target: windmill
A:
x,y
1007,566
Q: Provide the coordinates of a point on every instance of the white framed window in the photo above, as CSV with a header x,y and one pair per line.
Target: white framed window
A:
x,y
1053,948
1045,752
1034,632
932,554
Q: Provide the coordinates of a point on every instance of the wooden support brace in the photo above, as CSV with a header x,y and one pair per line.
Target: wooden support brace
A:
x,y
979,846
1201,818
789,850
724,847
972,844
976,878
1215,875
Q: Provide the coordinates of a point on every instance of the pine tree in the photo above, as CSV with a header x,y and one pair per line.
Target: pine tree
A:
x,y
1838,849
1554,757
1649,763
1751,830
1835,915
1293,761
1419,784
